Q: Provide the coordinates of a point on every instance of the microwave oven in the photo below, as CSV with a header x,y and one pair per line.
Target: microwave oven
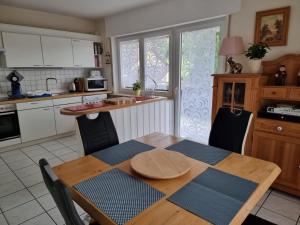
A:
x,y
95,84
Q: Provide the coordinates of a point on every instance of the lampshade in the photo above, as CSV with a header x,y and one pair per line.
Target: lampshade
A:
x,y
232,46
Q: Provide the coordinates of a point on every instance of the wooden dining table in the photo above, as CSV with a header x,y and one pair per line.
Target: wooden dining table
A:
x,y
165,212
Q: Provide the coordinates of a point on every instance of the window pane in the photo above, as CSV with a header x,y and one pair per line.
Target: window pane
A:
x,y
157,62
199,49
129,62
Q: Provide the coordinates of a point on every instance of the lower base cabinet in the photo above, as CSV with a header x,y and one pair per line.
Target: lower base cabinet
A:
x,y
64,124
285,152
36,123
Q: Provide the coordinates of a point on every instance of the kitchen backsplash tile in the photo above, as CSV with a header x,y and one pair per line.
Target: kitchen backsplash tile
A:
x,y
35,79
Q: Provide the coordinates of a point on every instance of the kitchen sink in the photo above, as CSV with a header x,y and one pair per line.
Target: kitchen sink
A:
x,y
144,98
58,92
62,93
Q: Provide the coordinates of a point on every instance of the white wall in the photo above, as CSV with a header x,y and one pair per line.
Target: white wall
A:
x,y
34,18
168,13
243,24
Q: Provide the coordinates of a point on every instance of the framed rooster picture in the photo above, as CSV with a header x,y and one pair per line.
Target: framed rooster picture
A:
x,y
272,26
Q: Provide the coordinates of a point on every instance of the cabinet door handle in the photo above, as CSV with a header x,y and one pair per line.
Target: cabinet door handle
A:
x,y
279,128
46,109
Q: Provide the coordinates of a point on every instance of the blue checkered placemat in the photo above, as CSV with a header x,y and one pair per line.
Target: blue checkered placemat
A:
x,y
122,152
205,153
214,196
119,195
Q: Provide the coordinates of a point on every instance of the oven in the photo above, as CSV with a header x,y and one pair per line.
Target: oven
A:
x,y
9,125
95,84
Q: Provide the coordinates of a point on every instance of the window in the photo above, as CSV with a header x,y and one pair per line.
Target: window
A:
x,y
154,53
157,63
129,62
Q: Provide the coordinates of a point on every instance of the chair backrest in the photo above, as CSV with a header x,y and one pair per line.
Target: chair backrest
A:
x,y
98,133
60,195
229,130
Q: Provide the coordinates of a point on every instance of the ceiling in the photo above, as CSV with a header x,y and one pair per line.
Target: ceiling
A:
x,y
90,9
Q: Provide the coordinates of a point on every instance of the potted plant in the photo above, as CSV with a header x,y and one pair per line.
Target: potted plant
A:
x,y
137,86
255,53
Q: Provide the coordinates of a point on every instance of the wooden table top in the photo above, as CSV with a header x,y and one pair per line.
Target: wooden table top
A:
x,y
164,212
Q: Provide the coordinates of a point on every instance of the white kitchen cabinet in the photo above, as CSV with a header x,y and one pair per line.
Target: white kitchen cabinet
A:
x,y
22,50
64,124
36,123
83,53
57,51
66,101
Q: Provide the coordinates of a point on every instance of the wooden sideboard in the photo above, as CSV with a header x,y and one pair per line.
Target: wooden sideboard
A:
x,y
269,139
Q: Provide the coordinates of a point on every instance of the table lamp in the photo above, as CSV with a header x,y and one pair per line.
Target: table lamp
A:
x,y
232,46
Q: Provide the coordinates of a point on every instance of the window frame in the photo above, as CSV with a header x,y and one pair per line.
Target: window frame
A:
x,y
141,38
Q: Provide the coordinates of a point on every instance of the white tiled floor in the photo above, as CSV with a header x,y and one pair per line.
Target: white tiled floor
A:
x,y
24,198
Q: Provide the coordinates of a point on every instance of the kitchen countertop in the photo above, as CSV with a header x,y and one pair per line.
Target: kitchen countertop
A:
x,y
62,95
107,107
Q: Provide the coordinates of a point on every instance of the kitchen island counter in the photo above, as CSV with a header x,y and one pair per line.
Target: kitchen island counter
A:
x,y
108,107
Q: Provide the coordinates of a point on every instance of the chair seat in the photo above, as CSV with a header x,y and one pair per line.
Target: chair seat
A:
x,y
94,223
255,220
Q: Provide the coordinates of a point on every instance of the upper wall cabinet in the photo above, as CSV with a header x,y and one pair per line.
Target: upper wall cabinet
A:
x,y
22,50
83,53
57,51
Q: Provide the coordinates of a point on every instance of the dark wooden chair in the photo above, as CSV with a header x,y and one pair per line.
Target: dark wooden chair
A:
x,y
255,220
97,134
60,195
229,130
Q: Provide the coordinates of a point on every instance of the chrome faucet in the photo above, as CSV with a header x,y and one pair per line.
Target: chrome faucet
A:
x,y
155,85
51,78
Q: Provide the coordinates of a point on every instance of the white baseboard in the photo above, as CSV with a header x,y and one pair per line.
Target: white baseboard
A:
x,y
13,146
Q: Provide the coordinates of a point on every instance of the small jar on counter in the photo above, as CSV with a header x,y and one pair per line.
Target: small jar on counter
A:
x,y
298,79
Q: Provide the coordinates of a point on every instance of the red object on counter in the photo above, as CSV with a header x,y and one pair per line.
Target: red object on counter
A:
x,y
86,107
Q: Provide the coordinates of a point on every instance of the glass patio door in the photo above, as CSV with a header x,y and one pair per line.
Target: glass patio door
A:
x,y
198,60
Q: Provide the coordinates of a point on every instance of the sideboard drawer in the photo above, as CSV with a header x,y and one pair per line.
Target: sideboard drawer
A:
x,y
274,92
278,127
294,94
